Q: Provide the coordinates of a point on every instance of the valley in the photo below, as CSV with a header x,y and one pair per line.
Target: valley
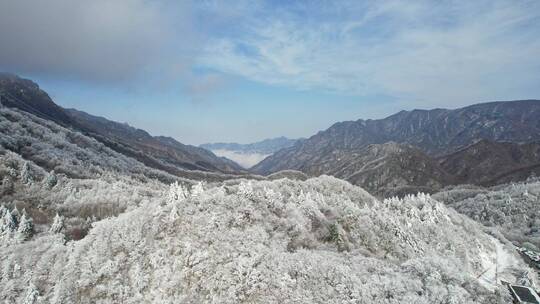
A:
x,y
106,211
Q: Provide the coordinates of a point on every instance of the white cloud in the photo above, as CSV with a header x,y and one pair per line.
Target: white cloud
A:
x,y
424,51
246,160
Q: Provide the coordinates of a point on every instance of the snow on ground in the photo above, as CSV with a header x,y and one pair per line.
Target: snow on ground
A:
x,y
501,266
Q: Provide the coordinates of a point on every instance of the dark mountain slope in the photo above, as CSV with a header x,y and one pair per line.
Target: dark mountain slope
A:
x,y
26,95
490,163
385,169
141,145
156,152
436,132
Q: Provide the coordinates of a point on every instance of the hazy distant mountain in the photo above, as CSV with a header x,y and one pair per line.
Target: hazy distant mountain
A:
x,y
435,132
267,146
157,152
247,155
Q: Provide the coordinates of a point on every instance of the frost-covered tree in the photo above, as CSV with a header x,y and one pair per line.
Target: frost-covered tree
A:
x,y
25,229
177,192
58,224
8,221
8,227
51,180
12,172
511,209
32,295
197,189
26,174
245,188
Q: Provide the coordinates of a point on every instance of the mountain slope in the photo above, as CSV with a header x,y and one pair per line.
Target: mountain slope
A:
x,y
428,149
163,152
26,95
436,132
397,169
68,151
510,208
387,169
156,152
382,169
490,163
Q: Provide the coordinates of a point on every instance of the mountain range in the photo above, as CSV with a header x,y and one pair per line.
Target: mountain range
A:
x,y
93,210
415,150
267,146
420,150
158,152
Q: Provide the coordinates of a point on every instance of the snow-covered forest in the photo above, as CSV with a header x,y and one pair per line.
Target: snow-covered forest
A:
x,y
80,223
269,152
512,209
321,240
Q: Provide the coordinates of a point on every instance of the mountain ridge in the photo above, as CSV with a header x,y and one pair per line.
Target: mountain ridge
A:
x,y
436,133
155,152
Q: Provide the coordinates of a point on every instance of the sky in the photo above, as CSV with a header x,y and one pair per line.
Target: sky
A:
x,y
242,71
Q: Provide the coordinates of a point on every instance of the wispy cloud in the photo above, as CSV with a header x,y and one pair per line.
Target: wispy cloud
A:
x,y
428,51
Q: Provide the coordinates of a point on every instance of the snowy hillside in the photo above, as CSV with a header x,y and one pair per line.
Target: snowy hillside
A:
x,y
512,209
77,155
318,241
82,223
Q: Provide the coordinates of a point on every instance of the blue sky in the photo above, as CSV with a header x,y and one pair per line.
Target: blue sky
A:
x,y
242,71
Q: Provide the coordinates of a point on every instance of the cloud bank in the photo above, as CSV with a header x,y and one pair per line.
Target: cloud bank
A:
x,y
246,160
96,41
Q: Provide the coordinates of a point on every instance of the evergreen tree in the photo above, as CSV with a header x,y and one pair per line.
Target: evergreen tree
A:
x,y
58,224
8,222
16,215
26,174
26,228
32,295
51,180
